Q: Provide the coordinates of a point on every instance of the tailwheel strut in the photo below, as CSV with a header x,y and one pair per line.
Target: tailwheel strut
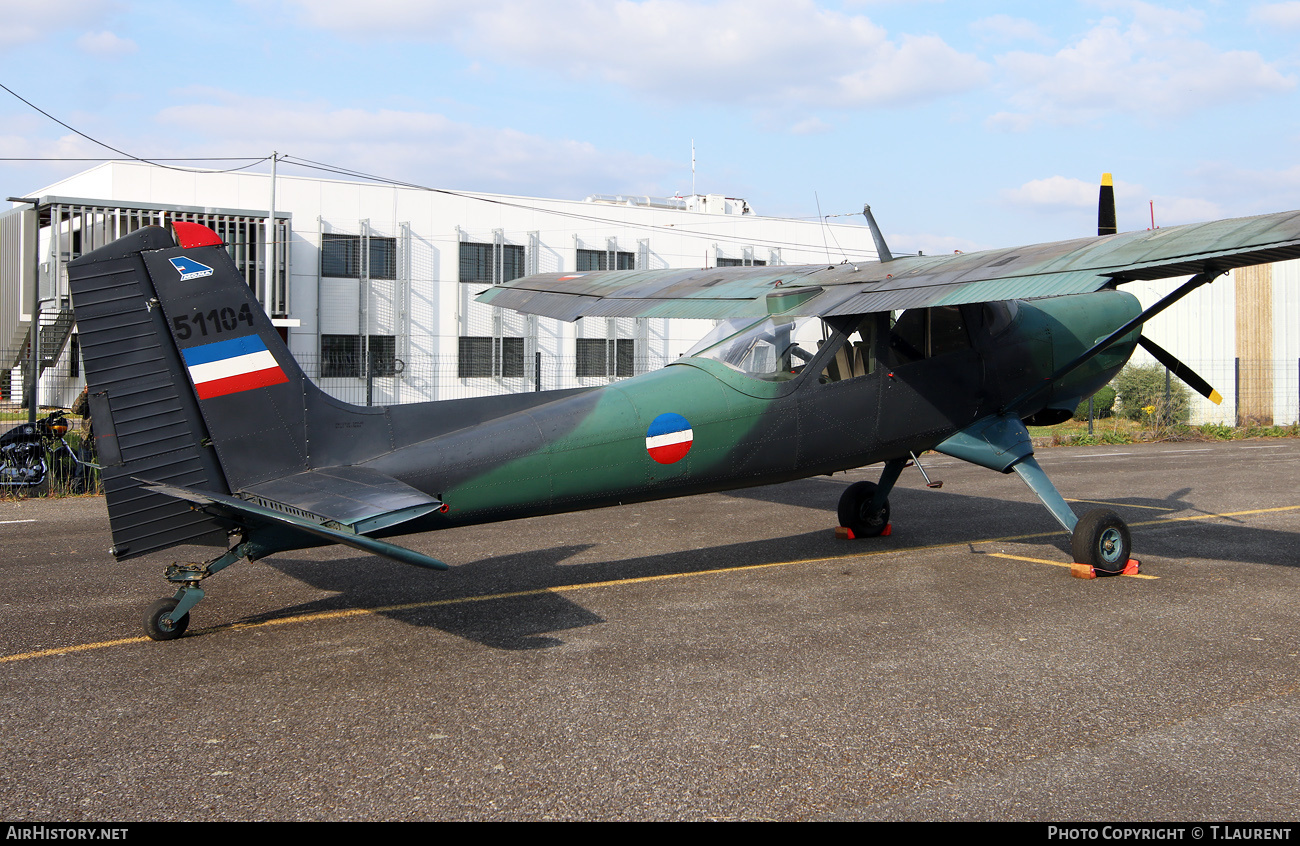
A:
x,y
169,617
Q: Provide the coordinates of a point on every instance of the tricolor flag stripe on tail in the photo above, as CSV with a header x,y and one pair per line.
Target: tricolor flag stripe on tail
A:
x,y
669,438
231,366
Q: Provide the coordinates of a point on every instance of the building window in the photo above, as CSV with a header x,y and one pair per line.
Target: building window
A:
x,y
604,357
476,264
383,355
740,262
600,260
487,356
340,356
340,256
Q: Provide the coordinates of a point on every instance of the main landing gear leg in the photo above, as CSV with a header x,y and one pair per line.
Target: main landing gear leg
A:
x,y
1099,541
169,617
864,506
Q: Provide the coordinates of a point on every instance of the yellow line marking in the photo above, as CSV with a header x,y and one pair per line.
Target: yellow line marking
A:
x,y
435,603
1056,563
1210,516
66,650
1119,504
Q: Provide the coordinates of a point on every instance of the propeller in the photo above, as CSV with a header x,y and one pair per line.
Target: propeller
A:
x,y
1106,207
1106,226
1182,371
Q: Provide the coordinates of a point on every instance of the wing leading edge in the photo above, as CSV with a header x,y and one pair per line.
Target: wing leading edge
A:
x,y
1053,269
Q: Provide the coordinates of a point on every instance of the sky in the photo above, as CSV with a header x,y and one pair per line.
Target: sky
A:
x,y
965,125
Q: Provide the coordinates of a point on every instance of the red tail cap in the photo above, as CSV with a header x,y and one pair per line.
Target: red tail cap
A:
x,y
195,235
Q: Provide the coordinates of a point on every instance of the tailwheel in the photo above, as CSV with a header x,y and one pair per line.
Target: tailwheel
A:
x,y
856,511
1101,541
158,622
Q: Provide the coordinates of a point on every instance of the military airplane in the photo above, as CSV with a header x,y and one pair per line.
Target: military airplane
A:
x,y
209,433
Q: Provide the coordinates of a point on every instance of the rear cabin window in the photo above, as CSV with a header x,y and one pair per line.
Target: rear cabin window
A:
x,y
927,333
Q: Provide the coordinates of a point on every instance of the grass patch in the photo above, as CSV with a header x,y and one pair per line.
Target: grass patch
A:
x,y
1121,431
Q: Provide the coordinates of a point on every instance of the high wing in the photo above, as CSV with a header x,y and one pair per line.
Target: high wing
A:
x,y
1077,266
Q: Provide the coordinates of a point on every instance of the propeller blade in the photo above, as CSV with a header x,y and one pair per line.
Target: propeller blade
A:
x,y
1106,207
1182,371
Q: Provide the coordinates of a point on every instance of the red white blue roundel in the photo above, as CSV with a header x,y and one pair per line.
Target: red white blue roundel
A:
x,y
669,438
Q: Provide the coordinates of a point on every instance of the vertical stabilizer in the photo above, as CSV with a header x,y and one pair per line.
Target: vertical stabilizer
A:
x,y
189,383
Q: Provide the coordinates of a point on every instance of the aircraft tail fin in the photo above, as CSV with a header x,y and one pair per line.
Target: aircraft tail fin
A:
x,y
186,375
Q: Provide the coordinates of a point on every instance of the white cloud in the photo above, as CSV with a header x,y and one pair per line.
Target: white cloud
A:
x,y
1149,68
1065,195
420,147
1285,15
1054,193
1249,191
1171,211
420,19
1009,122
750,51
811,126
25,21
106,45
1005,29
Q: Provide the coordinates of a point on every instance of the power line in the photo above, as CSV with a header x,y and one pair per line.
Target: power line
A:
x,y
150,160
110,146
356,174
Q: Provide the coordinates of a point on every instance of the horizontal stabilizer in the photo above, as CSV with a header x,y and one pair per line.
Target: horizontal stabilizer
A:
x,y
362,500
250,513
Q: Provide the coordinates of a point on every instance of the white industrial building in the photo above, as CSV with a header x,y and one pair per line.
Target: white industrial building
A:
x,y
375,292
380,280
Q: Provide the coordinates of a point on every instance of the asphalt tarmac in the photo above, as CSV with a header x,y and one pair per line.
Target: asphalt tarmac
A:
x,y
720,657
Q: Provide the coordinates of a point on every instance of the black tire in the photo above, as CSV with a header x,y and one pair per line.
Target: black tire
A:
x,y
158,623
855,510
1101,540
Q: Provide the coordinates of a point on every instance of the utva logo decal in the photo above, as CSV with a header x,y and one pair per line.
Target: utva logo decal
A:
x,y
669,438
189,268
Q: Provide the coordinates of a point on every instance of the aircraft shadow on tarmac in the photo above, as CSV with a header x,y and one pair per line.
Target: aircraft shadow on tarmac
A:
x,y
922,518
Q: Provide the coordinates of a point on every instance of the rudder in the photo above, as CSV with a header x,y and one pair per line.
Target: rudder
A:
x,y
189,383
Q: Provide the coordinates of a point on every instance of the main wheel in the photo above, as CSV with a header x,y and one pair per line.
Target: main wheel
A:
x,y
1101,540
158,623
855,510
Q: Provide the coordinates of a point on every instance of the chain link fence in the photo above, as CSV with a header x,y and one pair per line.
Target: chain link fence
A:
x,y
1255,393
393,381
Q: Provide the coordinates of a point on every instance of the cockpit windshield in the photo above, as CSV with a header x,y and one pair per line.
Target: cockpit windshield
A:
x,y
772,348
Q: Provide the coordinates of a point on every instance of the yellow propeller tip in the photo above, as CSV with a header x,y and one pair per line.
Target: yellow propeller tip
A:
x,y
1216,397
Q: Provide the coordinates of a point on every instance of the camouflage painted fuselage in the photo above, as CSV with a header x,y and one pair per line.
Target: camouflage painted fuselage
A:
x,y
589,449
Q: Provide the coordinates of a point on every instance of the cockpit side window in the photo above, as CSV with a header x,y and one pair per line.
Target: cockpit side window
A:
x,y
857,356
772,349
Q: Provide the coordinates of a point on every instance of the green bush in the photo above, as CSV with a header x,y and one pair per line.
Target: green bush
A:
x,y
1103,405
1140,396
